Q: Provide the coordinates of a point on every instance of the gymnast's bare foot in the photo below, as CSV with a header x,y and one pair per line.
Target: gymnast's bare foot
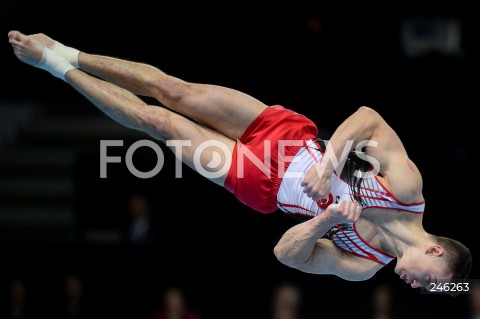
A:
x,y
32,50
69,53
26,48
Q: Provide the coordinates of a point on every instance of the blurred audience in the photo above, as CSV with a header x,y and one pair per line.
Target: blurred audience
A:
x,y
175,306
139,230
17,303
474,301
74,306
287,302
382,302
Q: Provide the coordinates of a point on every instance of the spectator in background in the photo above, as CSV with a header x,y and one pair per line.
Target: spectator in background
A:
x,y
382,302
74,307
139,232
287,302
474,301
17,299
175,306
140,253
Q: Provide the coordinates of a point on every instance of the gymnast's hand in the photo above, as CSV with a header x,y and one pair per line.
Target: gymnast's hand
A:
x,y
343,212
316,183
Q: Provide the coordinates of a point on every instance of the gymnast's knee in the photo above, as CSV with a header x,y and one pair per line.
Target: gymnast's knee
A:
x,y
170,89
156,122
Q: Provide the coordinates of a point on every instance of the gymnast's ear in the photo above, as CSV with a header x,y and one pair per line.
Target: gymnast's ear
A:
x,y
434,250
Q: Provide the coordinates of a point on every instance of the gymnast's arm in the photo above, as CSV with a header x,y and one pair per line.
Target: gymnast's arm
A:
x,y
302,247
385,152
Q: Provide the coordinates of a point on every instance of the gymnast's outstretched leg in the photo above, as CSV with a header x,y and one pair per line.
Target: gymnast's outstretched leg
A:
x,y
225,110
126,108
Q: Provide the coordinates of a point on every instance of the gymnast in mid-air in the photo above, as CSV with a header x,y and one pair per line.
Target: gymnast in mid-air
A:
x,y
357,195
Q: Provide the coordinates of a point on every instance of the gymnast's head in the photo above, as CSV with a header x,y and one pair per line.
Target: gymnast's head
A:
x,y
442,260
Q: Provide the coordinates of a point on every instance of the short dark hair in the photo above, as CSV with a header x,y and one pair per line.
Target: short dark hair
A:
x,y
458,257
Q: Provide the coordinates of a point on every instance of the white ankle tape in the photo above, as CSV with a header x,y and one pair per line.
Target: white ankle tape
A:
x,y
55,64
69,53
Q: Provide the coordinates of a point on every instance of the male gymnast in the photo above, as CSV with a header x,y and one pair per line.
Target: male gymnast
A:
x,y
358,195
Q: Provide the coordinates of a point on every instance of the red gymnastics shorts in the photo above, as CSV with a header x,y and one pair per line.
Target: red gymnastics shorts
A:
x,y
252,183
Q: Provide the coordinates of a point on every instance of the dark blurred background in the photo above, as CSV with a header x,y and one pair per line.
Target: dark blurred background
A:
x,y
74,245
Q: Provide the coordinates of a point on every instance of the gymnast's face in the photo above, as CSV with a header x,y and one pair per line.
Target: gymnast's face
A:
x,y
422,268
